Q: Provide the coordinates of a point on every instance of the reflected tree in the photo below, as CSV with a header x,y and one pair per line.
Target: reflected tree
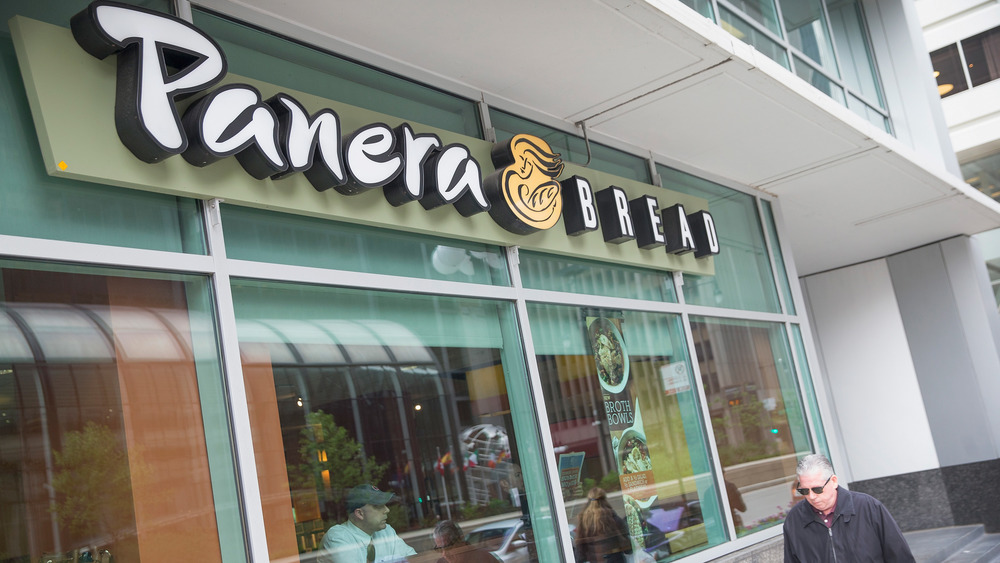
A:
x,y
332,461
93,483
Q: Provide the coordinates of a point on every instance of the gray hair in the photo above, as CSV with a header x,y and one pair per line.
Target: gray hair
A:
x,y
449,532
814,463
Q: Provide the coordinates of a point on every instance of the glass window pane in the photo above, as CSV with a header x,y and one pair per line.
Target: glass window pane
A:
x,y
573,148
38,205
114,418
850,35
703,7
948,69
424,397
989,246
808,391
763,12
276,60
554,273
984,174
757,417
779,259
982,55
265,236
819,80
872,115
807,31
745,32
743,277
625,417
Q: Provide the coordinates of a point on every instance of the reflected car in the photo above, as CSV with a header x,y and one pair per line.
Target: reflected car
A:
x,y
503,538
672,530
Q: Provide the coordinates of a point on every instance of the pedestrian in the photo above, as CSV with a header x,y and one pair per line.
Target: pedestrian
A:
x,y
601,535
450,541
838,525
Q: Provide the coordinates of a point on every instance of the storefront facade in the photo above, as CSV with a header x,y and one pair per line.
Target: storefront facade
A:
x,y
323,280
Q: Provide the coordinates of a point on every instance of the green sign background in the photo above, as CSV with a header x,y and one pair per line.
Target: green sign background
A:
x,y
72,97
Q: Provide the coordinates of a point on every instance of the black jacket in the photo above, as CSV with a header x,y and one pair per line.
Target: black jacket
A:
x,y
863,532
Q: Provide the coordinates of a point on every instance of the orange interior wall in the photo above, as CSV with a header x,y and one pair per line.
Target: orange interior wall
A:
x,y
171,485
269,451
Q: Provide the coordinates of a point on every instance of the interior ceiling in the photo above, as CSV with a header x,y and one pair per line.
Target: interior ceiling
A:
x,y
654,74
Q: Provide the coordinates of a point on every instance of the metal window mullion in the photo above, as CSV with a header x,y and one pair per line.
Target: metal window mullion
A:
x,y
790,270
182,9
541,412
489,133
796,362
833,40
101,255
769,244
965,65
867,101
756,24
706,418
818,67
824,400
245,269
246,465
873,59
584,300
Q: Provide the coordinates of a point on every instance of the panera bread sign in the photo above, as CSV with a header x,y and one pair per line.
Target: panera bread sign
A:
x,y
162,59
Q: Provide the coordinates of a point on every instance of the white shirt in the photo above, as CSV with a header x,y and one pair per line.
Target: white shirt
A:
x,y
346,543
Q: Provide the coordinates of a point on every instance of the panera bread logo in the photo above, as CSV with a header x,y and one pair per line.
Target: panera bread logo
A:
x,y
524,190
163,59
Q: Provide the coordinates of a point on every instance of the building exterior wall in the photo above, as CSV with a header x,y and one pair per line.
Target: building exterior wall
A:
x,y
910,354
908,79
972,116
219,351
952,345
870,372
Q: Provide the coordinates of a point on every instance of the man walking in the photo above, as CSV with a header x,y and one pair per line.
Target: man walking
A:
x,y
838,525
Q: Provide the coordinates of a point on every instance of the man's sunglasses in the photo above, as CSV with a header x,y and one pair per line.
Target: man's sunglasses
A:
x,y
818,490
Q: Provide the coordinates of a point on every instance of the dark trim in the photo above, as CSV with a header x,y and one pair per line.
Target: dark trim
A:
x,y
958,495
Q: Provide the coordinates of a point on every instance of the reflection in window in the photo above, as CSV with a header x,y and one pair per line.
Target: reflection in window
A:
x,y
763,11
266,236
703,7
743,277
982,55
745,32
556,273
984,174
277,60
779,259
408,393
805,23
757,417
853,50
111,417
36,204
818,80
948,69
624,416
572,148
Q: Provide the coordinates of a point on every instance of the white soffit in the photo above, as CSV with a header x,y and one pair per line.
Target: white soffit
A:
x,y
655,74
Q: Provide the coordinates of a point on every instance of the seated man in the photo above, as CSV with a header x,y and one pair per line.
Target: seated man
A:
x,y
365,537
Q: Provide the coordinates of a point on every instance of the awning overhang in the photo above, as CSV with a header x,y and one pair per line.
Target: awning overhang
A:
x,y
655,74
